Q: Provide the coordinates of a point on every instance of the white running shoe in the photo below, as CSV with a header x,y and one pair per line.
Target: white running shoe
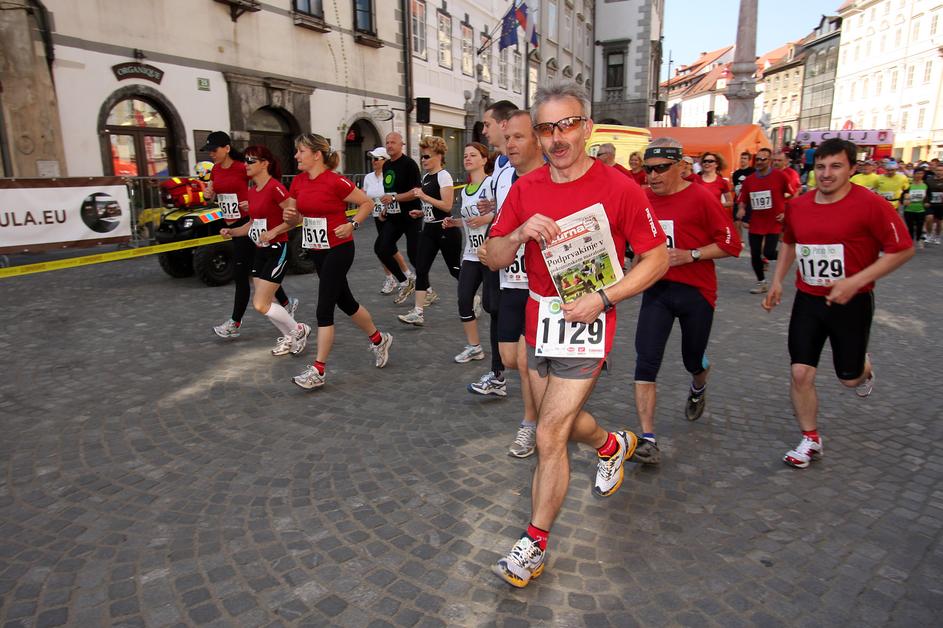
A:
x,y
389,285
413,317
299,338
229,329
406,288
292,306
525,443
309,379
282,345
489,384
476,306
382,350
431,297
525,562
609,471
865,388
759,288
804,453
469,353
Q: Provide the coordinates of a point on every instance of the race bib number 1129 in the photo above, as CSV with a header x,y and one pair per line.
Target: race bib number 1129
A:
x,y
559,338
821,264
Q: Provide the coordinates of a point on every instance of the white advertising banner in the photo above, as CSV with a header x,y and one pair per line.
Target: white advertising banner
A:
x,y
865,137
48,213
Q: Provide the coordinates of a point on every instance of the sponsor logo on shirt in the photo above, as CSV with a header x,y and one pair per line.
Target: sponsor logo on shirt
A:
x,y
651,223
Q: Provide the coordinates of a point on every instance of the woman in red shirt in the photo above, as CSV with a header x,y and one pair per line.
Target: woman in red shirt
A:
x,y
318,200
635,168
712,165
229,186
268,232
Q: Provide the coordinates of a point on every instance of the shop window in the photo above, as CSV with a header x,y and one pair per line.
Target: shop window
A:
x,y
138,138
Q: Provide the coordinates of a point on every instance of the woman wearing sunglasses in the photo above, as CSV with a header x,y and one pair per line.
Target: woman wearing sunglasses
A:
x,y
318,201
269,234
712,165
373,186
436,196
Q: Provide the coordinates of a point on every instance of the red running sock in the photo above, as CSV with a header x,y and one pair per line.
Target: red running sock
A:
x,y
376,338
539,536
320,366
812,435
610,448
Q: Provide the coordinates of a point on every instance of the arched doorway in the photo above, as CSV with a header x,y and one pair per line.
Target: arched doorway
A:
x,y
361,137
138,139
275,130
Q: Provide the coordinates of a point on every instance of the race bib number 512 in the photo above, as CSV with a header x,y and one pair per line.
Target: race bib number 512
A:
x,y
314,233
559,338
821,264
229,205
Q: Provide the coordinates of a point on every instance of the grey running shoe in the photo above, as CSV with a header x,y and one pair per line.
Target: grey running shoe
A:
x,y
282,345
382,350
865,388
431,297
309,379
646,452
694,408
413,317
525,443
489,384
300,339
469,353
405,289
229,329
759,288
389,285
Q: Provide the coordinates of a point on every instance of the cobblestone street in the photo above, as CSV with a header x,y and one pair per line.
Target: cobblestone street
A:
x,y
156,475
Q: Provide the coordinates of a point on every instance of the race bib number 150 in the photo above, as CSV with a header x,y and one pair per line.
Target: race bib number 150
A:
x,y
558,338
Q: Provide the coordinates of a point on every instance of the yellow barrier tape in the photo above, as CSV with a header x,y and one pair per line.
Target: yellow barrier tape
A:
x,y
101,258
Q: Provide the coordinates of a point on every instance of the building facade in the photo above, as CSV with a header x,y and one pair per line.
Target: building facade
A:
x,y
820,51
782,94
628,56
139,88
889,73
693,91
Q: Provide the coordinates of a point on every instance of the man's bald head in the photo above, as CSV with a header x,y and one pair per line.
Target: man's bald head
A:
x,y
394,144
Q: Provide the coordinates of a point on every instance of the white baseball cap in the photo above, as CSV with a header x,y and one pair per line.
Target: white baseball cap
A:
x,y
379,151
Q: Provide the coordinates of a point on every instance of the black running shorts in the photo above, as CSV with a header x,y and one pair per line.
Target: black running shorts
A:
x,y
271,262
846,327
511,309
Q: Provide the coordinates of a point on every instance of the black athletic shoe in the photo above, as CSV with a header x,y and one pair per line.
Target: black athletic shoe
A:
x,y
695,405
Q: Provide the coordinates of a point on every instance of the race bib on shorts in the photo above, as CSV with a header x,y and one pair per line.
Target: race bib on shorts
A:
x,y
314,234
761,200
257,229
821,264
558,338
668,226
516,272
229,205
427,214
917,196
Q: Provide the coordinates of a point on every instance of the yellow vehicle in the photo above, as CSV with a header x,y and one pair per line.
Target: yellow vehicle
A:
x,y
626,139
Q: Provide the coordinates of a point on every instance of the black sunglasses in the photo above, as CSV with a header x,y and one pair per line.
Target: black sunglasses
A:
x,y
378,159
425,157
762,159
253,160
708,161
659,168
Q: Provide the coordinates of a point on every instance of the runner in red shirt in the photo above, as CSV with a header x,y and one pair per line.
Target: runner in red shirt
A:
x,y
764,192
570,182
269,234
712,165
636,169
837,232
318,202
781,163
699,230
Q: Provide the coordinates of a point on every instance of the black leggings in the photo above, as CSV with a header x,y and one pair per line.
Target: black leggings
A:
x,y
243,257
760,249
661,305
433,239
490,301
915,222
332,266
394,227
469,279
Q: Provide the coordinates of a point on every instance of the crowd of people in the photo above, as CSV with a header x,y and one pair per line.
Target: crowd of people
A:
x,y
840,234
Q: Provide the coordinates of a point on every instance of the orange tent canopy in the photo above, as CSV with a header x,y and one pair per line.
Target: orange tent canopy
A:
x,y
728,141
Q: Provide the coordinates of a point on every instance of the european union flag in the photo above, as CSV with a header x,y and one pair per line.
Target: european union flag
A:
x,y
508,30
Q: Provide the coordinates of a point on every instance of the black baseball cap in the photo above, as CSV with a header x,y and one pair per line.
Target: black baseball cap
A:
x,y
216,139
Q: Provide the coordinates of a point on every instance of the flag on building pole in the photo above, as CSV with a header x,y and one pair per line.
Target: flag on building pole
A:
x,y
529,25
508,30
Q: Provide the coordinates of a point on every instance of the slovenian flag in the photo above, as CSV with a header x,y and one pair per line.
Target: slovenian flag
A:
x,y
529,26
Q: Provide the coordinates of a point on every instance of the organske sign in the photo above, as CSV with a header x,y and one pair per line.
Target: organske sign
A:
x,y
863,137
134,69
37,213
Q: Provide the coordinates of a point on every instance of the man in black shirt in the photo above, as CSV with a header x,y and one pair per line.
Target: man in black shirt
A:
x,y
745,170
400,178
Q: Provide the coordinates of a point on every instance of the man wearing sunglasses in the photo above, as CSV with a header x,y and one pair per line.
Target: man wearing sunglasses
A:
x,y
766,191
699,230
573,181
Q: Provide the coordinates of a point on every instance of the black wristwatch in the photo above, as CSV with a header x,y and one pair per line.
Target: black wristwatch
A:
x,y
606,303
695,254
356,224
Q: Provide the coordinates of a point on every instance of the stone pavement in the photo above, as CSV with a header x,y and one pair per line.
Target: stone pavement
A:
x,y
156,475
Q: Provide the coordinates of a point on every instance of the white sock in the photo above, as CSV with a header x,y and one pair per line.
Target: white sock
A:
x,y
419,310
281,319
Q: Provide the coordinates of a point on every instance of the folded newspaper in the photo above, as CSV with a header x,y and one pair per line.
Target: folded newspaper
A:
x,y
583,258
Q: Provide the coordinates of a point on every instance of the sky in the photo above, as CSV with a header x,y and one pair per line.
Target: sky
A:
x,y
692,27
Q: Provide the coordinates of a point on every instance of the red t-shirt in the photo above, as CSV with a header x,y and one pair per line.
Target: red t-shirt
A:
x,y
697,219
640,177
693,178
231,180
863,222
718,187
794,179
535,193
323,197
768,200
264,203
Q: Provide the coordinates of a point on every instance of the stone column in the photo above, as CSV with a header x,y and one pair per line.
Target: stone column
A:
x,y
741,91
